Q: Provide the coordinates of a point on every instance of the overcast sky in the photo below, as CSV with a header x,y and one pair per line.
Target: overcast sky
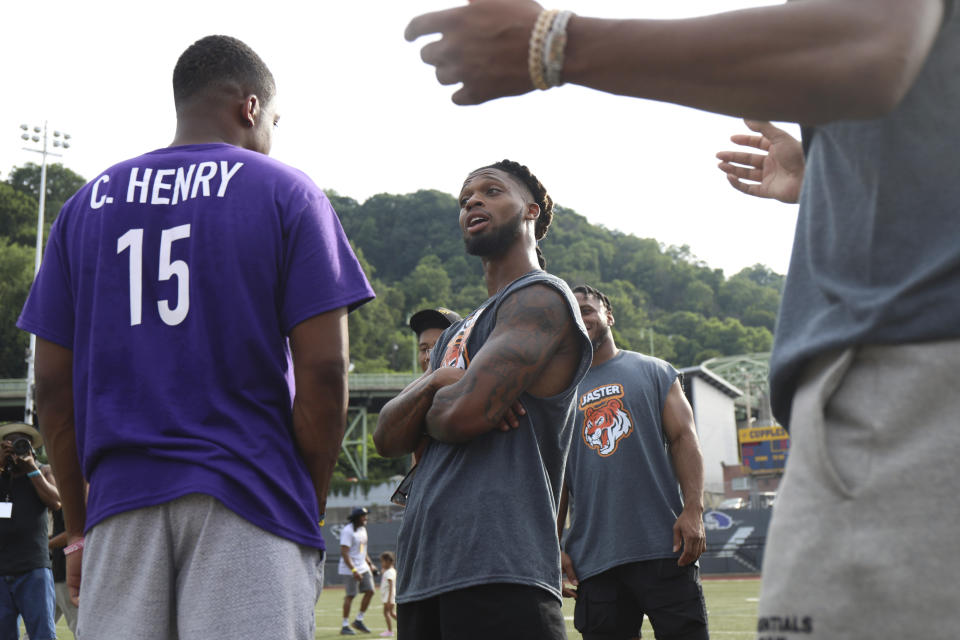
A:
x,y
361,114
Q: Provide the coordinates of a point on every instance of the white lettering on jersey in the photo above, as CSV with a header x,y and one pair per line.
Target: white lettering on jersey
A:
x,y
96,200
172,186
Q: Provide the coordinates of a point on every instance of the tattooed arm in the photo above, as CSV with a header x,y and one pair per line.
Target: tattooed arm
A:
x,y
532,349
400,424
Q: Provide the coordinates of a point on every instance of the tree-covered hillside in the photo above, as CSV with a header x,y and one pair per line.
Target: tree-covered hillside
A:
x,y
19,204
412,250
662,296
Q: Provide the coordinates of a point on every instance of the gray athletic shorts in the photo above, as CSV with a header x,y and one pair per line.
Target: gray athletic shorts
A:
x,y
860,544
191,569
354,586
65,607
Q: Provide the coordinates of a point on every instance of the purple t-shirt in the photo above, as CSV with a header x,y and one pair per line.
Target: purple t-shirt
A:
x,y
176,278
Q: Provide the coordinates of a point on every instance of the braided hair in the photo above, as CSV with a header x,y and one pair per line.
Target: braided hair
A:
x,y
540,196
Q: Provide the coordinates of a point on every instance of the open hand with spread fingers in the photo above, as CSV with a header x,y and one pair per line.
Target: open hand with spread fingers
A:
x,y
776,174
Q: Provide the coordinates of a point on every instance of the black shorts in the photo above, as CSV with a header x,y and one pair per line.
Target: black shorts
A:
x,y
611,605
502,611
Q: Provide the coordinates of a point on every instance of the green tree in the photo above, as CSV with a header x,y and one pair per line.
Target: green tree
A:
x,y
428,285
397,231
698,296
18,216
18,233
61,184
752,295
380,469
763,276
16,274
374,327
696,338
663,294
468,297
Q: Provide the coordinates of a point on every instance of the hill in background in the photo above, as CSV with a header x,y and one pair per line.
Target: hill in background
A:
x,y
666,302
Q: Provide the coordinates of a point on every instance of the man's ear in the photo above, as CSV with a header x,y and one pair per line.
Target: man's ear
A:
x,y
533,211
250,110
610,319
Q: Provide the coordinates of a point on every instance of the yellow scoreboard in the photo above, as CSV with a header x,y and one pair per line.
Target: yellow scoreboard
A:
x,y
764,449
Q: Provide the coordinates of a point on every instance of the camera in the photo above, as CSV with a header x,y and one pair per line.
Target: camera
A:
x,y
22,447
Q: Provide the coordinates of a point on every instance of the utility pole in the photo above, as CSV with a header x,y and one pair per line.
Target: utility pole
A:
x,y
648,332
60,140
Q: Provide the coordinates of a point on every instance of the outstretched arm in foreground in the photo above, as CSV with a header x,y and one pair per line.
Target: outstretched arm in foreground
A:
x,y
810,61
776,174
681,434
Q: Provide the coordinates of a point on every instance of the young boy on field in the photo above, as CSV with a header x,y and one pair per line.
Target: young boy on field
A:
x,y
388,590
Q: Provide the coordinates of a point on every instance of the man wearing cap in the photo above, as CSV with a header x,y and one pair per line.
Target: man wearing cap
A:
x,y
26,581
355,562
428,324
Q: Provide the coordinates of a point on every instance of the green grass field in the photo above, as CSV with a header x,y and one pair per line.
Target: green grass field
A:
x,y
731,606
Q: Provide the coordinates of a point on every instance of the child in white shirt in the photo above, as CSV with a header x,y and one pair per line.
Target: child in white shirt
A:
x,y
388,591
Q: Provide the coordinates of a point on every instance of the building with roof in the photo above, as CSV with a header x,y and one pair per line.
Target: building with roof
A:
x,y
714,412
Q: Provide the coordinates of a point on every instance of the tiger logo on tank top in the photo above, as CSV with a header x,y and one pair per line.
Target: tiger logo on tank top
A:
x,y
605,420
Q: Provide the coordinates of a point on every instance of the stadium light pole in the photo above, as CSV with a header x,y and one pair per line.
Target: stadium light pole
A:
x,y
39,136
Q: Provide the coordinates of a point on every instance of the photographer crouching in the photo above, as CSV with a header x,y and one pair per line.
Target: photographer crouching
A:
x,y
26,581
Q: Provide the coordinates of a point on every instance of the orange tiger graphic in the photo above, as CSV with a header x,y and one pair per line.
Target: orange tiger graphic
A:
x,y
456,354
605,424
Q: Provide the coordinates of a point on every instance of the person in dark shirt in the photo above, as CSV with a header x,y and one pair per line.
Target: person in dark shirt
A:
x,y
26,580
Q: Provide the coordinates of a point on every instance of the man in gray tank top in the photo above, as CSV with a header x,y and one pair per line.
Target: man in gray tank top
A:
x,y
635,487
867,348
478,554
868,339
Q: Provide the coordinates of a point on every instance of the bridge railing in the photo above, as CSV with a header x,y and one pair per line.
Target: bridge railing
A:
x,y
13,385
12,390
380,381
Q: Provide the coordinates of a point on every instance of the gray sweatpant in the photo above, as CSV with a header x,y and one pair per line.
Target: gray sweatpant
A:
x,y
191,569
861,542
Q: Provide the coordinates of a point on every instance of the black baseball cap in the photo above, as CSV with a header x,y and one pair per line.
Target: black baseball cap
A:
x,y
439,318
357,512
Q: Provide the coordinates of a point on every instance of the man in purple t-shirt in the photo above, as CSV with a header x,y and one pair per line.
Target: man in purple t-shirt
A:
x,y
181,294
